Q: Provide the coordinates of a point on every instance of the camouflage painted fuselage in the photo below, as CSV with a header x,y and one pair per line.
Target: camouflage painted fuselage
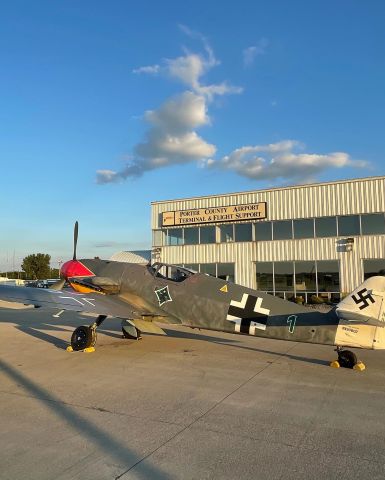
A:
x,y
202,301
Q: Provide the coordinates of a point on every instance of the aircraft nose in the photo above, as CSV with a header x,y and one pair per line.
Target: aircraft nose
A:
x,y
74,268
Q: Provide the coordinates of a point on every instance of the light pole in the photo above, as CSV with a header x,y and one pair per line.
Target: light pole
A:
x,y
60,262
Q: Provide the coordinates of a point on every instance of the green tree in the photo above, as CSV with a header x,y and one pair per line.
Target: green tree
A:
x,y
36,266
55,273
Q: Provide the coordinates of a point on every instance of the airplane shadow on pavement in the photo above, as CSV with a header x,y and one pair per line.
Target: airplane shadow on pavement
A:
x,y
235,344
38,329
101,439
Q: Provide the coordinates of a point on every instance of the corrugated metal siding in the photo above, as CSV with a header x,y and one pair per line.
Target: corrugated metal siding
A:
x,y
338,198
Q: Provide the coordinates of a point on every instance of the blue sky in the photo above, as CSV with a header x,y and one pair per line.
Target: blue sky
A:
x,y
107,106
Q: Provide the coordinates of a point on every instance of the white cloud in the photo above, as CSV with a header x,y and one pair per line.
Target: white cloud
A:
x,y
106,176
184,111
150,69
250,53
191,67
281,161
171,137
172,129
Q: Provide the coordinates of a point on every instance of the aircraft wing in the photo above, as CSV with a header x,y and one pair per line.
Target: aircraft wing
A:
x,y
110,305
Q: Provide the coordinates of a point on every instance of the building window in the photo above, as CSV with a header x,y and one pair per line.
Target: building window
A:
x,y
265,276
225,271
373,224
328,276
282,230
321,278
193,266
348,225
175,236
283,276
305,276
303,228
191,236
263,231
158,236
209,268
207,235
227,233
374,267
326,227
243,232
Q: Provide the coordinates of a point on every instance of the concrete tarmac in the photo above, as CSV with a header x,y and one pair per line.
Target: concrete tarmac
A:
x,y
192,405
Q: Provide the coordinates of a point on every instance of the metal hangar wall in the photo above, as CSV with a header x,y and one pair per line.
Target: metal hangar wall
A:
x,y
320,239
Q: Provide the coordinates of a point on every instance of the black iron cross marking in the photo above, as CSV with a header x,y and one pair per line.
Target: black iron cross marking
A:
x,y
163,295
248,314
362,298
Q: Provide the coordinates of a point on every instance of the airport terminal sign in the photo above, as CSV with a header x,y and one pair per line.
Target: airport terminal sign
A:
x,y
232,213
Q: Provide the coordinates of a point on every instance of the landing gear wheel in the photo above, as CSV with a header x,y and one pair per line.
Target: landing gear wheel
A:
x,y
347,359
83,337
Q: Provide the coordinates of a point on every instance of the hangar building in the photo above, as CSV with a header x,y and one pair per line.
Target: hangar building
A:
x,y
320,239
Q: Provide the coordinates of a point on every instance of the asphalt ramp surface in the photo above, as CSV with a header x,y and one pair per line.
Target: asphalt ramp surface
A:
x,y
189,405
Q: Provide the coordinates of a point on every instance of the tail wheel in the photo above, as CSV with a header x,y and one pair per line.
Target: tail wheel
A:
x,y
83,337
347,359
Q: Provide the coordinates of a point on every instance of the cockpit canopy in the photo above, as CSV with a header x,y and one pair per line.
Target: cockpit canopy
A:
x,y
174,273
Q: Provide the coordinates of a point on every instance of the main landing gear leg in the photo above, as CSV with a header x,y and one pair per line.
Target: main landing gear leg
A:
x,y
347,359
84,338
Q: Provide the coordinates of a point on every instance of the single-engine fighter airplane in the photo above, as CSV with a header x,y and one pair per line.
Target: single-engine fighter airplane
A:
x,y
141,295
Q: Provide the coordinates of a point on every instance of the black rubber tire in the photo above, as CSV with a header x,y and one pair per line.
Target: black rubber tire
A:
x,y
347,359
83,337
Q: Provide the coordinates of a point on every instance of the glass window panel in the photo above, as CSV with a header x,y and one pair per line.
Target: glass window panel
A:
x,y
328,275
209,268
283,276
191,236
373,224
326,227
287,295
374,267
349,225
227,233
193,266
282,230
158,238
175,236
264,275
303,228
207,235
226,271
243,232
262,231
305,277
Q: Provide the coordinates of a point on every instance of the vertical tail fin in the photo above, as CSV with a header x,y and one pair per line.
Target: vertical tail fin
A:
x,y
365,304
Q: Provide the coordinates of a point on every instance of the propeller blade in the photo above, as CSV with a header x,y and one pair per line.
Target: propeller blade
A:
x,y
76,229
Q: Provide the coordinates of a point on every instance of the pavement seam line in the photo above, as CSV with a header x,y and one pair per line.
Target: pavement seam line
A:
x,y
205,413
